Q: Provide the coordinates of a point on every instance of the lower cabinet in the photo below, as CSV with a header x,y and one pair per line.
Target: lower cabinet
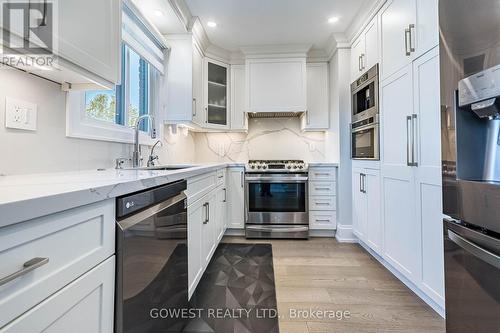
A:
x,y
322,198
236,197
85,305
366,203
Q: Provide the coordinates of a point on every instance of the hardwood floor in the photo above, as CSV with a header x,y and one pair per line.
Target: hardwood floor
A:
x,y
356,293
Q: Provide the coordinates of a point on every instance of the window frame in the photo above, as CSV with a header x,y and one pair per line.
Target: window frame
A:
x,y
79,125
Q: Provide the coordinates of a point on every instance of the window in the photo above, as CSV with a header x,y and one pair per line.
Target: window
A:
x,y
106,105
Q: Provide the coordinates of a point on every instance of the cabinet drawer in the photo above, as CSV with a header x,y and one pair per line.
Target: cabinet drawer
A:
x,y
322,202
198,186
85,305
323,220
221,177
322,188
322,174
72,242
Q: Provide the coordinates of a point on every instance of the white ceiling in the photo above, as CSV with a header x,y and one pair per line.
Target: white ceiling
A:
x,y
268,22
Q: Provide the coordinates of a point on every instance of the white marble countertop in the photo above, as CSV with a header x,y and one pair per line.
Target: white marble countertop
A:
x,y
24,197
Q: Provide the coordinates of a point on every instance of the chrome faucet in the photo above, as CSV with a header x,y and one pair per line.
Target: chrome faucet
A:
x,y
136,155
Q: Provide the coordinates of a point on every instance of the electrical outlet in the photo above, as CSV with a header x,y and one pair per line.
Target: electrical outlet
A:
x,y
20,114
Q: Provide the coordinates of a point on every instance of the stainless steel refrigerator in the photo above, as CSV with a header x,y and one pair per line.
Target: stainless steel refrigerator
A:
x,y
470,125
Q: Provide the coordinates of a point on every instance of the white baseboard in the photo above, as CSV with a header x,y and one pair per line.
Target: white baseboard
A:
x,y
435,306
344,234
322,233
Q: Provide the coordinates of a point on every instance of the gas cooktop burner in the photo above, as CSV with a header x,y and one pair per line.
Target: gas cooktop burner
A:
x,y
276,165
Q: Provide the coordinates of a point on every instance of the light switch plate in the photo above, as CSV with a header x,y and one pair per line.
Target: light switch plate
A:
x,y
20,114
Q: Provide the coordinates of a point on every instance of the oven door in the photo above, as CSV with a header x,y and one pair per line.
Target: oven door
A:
x,y
365,142
365,100
277,198
472,275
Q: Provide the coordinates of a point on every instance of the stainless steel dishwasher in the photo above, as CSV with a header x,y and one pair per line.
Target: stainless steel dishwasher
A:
x,y
152,259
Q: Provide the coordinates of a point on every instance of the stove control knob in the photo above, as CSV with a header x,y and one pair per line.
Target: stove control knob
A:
x,y
301,166
252,166
289,166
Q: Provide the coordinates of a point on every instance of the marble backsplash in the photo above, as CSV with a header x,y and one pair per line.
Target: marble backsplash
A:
x,y
267,138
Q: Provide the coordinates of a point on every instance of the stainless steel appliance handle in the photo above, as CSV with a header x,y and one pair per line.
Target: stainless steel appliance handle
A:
x,y
153,210
475,250
28,266
412,47
271,229
414,127
363,128
407,48
409,140
276,179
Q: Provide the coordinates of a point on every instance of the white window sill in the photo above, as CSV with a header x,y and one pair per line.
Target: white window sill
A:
x,y
78,125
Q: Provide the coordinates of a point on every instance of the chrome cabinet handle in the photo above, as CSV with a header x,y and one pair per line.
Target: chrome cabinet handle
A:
x,y
359,63
206,213
409,140
412,47
28,266
414,153
361,182
362,61
364,183
225,195
241,179
194,107
407,48
322,188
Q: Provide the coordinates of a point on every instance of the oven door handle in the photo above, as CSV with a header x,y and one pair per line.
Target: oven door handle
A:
x,y
151,211
276,180
475,250
274,229
364,128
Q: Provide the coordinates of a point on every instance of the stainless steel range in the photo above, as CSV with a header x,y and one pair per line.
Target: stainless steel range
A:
x,y
276,199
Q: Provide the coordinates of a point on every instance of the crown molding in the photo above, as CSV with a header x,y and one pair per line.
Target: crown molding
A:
x,y
276,51
182,12
362,19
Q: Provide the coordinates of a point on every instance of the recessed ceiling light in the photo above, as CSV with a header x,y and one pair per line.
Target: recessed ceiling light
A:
x,y
333,19
211,24
158,13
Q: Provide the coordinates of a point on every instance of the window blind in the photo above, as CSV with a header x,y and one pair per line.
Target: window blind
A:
x,y
139,35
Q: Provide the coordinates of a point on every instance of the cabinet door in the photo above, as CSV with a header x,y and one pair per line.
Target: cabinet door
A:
x,y
216,76
401,231
427,28
373,222
221,212
428,172
95,48
317,115
371,37
196,217
197,86
236,197
359,208
357,49
396,16
208,229
85,305
239,120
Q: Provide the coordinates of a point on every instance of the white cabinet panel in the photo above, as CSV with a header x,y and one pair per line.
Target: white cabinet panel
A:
x,y
322,220
322,188
396,16
85,305
320,202
359,208
317,116
236,197
208,228
357,49
196,216
239,119
373,223
198,104
327,174
371,36
221,212
97,47
276,85
427,28
86,236
216,93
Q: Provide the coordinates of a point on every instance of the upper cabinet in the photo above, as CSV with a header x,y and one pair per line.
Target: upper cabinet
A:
x,y
84,56
198,104
317,116
239,119
409,29
276,85
216,94
365,49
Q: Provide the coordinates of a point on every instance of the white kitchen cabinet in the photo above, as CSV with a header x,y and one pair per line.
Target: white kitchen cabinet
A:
x,y
365,49
220,220
322,197
198,105
209,228
359,207
85,305
409,29
236,197
239,118
317,116
276,85
196,217
216,83
428,185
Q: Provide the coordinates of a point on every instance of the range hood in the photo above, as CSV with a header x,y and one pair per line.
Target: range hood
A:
x,y
274,114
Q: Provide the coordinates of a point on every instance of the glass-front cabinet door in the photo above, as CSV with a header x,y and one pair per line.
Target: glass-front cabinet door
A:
x,y
216,92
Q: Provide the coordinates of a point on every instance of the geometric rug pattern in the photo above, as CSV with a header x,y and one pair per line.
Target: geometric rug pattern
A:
x,y
237,292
